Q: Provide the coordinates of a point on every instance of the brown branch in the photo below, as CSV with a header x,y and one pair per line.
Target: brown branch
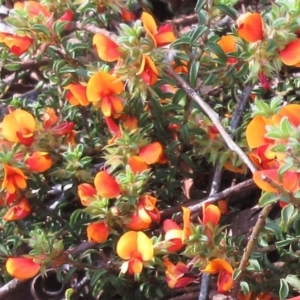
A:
x,y
250,247
213,117
195,206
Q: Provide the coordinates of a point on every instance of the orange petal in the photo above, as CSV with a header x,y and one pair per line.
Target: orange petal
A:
x,y
127,244
290,55
186,224
137,164
78,92
22,268
151,153
250,27
17,44
292,111
149,25
136,223
106,185
217,265
86,193
211,214
106,48
165,35
289,180
227,43
97,232
135,266
144,246
256,131
39,162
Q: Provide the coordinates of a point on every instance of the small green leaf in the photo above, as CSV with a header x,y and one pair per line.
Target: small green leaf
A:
x,y
284,289
227,10
287,214
236,274
194,70
293,281
267,198
216,49
182,41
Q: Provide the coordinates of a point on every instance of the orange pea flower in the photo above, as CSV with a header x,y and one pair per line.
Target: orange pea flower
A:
x,y
129,122
175,274
137,164
39,161
19,127
211,215
33,8
225,271
250,27
175,234
76,94
228,44
148,70
49,118
290,180
290,55
136,248
106,49
145,215
18,211
160,36
148,154
151,153
15,43
14,179
106,185
97,232
103,88
21,267
86,193
210,218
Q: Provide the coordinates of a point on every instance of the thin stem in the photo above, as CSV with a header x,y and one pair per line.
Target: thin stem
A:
x,y
214,118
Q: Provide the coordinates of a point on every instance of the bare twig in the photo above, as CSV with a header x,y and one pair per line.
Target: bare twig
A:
x,y
214,118
195,206
250,246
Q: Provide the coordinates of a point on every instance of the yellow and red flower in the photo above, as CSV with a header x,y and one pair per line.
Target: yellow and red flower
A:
x,y
15,43
225,271
19,127
106,48
228,44
18,211
106,185
160,36
136,248
175,234
76,94
22,268
14,179
97,232
86,193
39,162
103,89
175,274
147,155
148,70
250,27
146,214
